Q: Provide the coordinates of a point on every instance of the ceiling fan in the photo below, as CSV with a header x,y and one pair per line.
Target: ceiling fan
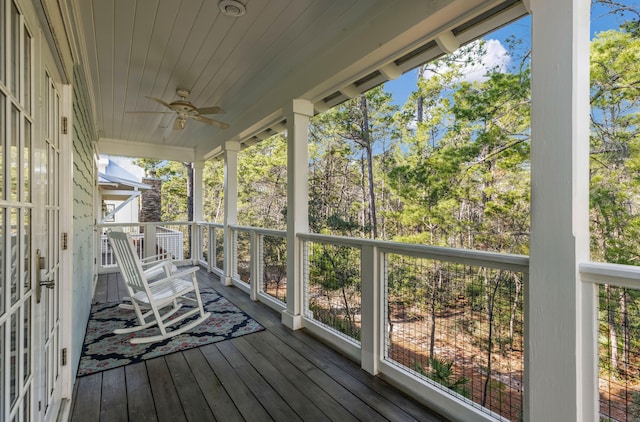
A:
x,y
185,110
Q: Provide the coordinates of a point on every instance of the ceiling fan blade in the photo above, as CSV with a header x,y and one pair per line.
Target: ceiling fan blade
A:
x,y
159,101
210,110
149,112
211,122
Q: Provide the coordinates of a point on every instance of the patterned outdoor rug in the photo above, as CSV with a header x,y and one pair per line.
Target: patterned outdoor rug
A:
x,y
104,350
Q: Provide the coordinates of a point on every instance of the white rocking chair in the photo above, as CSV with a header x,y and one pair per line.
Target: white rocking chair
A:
x,y
149,298
153,266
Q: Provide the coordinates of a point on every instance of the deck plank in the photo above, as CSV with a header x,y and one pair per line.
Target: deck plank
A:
x,y
87,398
165,395
139,397
217,397
193,402
113,406
113,294
245,401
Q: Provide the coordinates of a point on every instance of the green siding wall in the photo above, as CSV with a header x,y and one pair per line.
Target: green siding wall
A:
x,y
84,179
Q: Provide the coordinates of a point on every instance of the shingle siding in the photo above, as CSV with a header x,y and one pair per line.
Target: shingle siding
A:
x,y
84,171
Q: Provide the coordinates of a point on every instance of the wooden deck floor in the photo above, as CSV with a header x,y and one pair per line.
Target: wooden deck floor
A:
x,y
276,374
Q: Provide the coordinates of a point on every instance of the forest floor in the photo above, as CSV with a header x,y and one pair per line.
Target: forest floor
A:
x,y
411,339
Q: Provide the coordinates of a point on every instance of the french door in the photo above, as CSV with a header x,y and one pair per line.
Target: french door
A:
x,y
29,219
16,213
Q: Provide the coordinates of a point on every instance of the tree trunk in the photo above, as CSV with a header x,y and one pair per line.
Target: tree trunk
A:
x,y
420,101
437,275
367,144
514,309
491,299
365,215
626,339
613,333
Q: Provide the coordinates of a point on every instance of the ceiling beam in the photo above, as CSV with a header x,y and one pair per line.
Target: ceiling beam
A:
x,y
126,148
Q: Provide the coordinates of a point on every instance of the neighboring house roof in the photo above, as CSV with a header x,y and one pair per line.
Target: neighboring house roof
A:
x,y
107,180
116,183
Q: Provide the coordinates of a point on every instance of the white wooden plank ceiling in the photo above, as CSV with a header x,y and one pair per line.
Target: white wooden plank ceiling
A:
x,y
251,65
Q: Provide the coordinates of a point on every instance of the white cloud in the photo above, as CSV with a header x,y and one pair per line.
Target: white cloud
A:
x,y
496,56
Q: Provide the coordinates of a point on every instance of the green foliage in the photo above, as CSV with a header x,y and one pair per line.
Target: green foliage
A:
x,y
262,184
615,147
441,371
464,176
334,279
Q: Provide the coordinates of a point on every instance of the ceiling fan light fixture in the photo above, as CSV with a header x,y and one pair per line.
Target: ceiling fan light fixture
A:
x,y
232,8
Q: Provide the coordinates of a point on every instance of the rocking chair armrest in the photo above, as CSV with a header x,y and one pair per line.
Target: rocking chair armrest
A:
x,y
176,275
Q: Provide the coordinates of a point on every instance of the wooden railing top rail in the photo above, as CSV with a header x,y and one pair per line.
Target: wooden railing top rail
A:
x,y
265,232
613,274
464,256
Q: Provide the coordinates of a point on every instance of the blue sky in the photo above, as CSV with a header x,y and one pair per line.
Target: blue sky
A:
x,y
402,87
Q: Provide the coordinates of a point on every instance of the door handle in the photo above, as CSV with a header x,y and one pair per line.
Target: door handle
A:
x,y
40,272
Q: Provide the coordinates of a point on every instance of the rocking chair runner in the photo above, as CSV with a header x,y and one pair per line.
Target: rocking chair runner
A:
x,y
148,299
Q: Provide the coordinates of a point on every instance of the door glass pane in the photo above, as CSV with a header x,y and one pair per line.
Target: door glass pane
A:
x,y
3,138
13,152
52,177
47,105
56,228
56,351
47,220
3,353
46,377
13,359
15,247
26,161
3,278
27,70
3,40
27,339
27,250
47,312
43,168
56,117
14,77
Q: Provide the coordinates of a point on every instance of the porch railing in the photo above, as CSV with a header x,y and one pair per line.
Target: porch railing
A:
x,y
434,320
438,322
260,264
170,239
211,253
618,320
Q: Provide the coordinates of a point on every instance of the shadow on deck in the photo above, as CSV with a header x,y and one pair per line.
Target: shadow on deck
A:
x,y
276,374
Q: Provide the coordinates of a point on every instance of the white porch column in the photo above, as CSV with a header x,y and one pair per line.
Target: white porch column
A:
x,y
196,237
231,150
561,379
198,167
297,205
